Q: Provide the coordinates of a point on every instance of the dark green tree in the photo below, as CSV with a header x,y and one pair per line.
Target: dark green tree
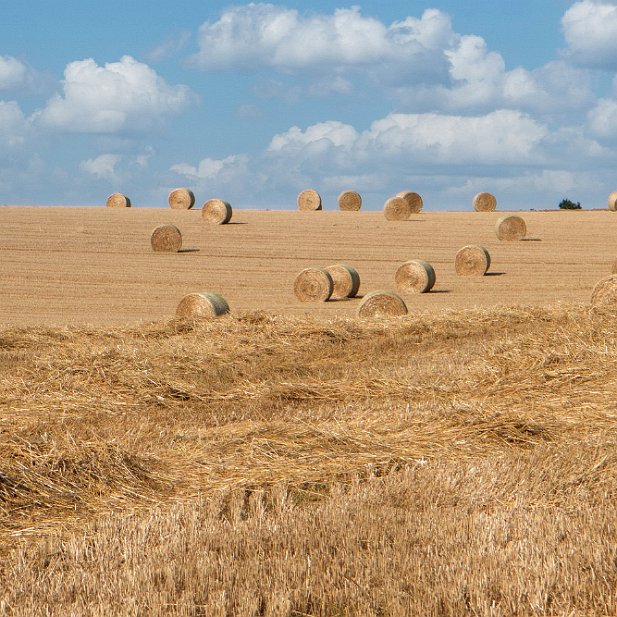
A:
x,y
566,204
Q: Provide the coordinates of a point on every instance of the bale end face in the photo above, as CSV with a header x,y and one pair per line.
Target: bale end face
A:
x,y
202,305
382,304
181,199
511,228
415,276
397,209
166,239
472,260
413,199
612,201
313,285
605,292
346,281
349,201
484,202
309,200
118,200
216,212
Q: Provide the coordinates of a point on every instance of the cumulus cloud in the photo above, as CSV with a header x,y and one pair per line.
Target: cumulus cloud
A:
x,y
16,75
102,167
120,96
421,61
503,136
13,124
590,30
258,35
214,173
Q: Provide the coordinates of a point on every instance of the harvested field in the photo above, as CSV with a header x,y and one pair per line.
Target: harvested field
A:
x,y
95,265
463,463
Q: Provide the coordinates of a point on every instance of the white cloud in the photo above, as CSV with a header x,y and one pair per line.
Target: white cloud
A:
x,y
327,134
120,96
16,75
590,30
208,170
503,136
102,167
170,46
603,118
258,35
13,124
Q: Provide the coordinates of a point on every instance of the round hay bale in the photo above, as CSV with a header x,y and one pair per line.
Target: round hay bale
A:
x,y
416,276
309,200
397,209
413,199
472,260
118,200
511,227
350,201
313,285
202,305
484,202
612,201
181,199
216,211
166,239
346,281
380,304
605,292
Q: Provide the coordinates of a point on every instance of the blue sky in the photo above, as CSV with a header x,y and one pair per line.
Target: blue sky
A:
x,y
253,102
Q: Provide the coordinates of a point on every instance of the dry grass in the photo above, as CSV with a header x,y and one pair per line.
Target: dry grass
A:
x,y
462,463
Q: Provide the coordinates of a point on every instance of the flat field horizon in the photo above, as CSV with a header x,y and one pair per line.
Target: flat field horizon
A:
x,y
86,265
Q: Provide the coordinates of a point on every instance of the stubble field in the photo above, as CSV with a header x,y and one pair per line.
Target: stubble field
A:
x,y
290,459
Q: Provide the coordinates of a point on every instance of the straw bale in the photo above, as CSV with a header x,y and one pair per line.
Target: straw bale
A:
x,y
313,285
605,292
413,199
118,200
397,209
181,199
484,202
472,260
612,201
202,305
381,303
511,227
166,238
349,201
309,200
415,276
346,281
216,211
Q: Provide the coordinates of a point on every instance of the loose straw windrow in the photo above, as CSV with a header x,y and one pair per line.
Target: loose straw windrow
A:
x,y
181,199
202,305
415,276
309,200
380,304
612,201
397,209
166,238
216,211
511,227
413,199
118,200
484,202
313,285
472,260
349,201
346,281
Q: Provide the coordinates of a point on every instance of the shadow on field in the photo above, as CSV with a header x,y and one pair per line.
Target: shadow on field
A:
x,y
189,250
439,291
531,239
494,274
